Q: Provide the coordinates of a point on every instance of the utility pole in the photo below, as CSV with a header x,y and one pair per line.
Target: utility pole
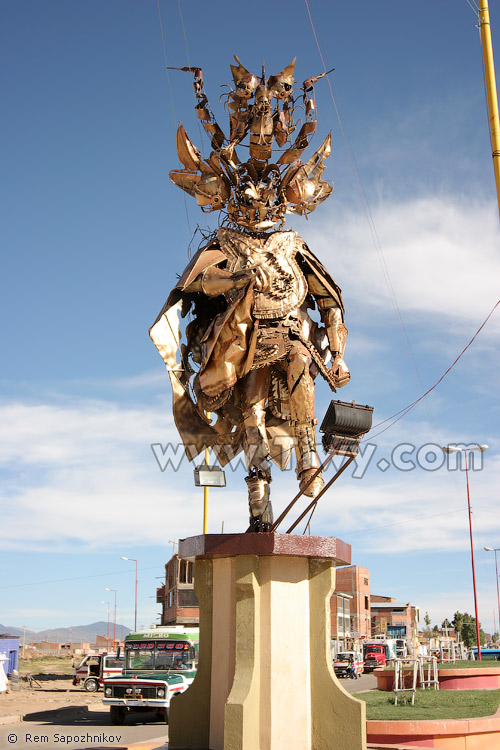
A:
x,y
114,619
491,90
205,490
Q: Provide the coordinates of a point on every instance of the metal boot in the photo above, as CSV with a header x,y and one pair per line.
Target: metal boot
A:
x,y
261,512
307,460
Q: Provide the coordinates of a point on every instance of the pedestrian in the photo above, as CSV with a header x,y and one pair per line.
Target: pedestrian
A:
x,y
352,669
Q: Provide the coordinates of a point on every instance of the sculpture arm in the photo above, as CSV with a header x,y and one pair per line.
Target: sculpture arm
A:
x,y
215,281
334,324
333,320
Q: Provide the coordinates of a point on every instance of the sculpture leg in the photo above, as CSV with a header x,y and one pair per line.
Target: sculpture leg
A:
x,y
301,389
254,389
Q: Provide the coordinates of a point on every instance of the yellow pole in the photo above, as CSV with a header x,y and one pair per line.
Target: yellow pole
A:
x,y
205,491
491,90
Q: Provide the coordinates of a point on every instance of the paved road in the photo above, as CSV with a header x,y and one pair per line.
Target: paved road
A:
x,y
78,730
365,682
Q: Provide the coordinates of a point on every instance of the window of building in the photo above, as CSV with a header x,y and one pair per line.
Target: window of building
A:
x,y
367,603
187,598
182,571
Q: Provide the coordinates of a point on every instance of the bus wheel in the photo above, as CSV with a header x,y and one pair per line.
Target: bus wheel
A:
x,y
91,685
117,714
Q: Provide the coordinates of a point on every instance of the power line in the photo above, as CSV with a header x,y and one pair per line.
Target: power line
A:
x,y
77,578
403,412
172,96
400,523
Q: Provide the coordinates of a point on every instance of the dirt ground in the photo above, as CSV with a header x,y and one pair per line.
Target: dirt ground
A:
x,y
47,692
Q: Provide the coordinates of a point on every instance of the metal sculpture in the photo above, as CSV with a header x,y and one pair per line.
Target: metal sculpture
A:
x,y
252,348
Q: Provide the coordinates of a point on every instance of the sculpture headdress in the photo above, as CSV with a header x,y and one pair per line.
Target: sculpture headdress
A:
x,y
258,192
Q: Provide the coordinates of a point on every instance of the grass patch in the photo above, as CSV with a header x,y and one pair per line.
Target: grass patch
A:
x,y
469,664
431,704
461,664
47,664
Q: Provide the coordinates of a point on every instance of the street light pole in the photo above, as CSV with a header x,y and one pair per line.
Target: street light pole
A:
x,y
114,619
131,559
107,628
465,451
491,549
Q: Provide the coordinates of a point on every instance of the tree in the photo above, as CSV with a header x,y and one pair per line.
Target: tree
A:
x,y
427,630
465,627
457,623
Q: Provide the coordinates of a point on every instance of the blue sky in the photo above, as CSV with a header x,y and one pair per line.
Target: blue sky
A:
x,y
94,233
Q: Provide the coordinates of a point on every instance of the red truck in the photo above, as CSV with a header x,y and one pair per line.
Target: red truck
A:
x,y
377,652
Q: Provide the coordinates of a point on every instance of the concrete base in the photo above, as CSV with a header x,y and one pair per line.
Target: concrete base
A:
x,y
265,679
474,678
480,733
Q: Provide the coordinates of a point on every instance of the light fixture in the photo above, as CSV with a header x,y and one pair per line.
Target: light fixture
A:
x,y
344,425
209,476
456,449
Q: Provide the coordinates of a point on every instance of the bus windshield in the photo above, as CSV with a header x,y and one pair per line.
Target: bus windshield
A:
x,y
343,657
159,655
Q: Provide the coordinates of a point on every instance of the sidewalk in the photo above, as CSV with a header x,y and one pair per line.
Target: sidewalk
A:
x,y
30,715
153,744
149,745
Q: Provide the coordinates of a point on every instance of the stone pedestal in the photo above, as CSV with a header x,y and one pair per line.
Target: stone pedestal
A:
x,y
265,679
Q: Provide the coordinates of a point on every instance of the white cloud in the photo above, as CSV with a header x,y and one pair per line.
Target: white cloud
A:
x,y
69,434
70,461
84,475
438,254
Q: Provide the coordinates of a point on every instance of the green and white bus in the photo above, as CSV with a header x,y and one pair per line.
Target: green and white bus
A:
x,y
159,663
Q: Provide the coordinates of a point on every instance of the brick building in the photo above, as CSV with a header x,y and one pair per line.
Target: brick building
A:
x,y
394,619
176,596
350,607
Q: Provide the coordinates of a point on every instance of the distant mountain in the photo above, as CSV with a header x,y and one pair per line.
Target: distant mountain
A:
x,y
11,630
75,634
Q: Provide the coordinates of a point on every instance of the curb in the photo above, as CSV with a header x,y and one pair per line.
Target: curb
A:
x,y
14,718
155,744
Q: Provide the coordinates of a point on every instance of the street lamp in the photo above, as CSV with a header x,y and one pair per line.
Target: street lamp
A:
x,y
107,629
114,619
491,549
465,451
131,559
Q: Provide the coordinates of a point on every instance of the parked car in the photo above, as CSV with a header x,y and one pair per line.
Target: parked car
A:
x,y
344,662
95,668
